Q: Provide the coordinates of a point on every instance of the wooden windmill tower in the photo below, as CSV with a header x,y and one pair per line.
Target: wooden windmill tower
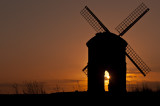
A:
x,y
108,51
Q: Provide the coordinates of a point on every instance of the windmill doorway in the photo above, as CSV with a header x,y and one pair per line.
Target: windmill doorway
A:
x,y
106,80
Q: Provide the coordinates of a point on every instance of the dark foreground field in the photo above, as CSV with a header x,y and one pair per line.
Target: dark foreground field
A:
x,y
84,94
81,98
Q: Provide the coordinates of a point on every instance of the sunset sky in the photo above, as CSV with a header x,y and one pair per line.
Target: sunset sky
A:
x,y
46,39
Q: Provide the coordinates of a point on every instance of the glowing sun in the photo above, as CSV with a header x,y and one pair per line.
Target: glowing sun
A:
x,y
107,75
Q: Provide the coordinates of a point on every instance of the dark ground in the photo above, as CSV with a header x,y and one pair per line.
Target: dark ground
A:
x,y
83,94
81,98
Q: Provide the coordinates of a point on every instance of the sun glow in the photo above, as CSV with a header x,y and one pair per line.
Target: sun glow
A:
x,y
107,77
106,80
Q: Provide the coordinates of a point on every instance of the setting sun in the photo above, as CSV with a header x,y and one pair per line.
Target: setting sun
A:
x,y
107,75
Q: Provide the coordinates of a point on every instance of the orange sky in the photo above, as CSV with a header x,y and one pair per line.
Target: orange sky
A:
x,y
46,39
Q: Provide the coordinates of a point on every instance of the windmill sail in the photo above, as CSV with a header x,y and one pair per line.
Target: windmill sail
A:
x,y
93,20
122,29
137,61
95,23
134,17
85,70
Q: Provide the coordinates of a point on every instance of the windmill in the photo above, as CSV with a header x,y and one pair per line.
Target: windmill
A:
x,y
108,51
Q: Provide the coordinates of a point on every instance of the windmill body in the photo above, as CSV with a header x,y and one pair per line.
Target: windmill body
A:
x,y
106,52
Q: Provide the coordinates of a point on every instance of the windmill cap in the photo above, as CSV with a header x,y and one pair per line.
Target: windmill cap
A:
x,y
101,39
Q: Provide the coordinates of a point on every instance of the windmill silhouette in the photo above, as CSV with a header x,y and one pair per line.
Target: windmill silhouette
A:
x,y
108,51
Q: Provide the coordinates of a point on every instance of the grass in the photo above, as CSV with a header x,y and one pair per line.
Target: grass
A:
x,y
144,89
36,88
29,87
